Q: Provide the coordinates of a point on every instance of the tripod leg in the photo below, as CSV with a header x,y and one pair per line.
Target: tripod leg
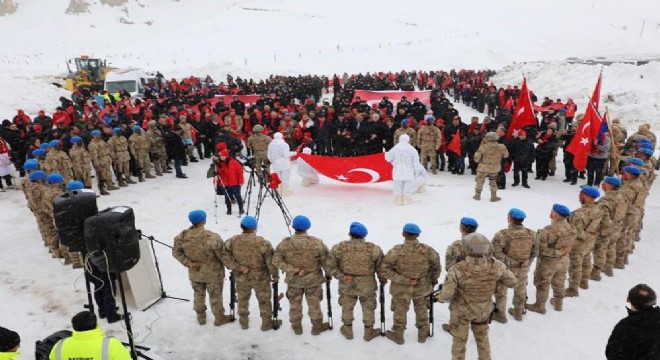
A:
x,y
127,318
90,301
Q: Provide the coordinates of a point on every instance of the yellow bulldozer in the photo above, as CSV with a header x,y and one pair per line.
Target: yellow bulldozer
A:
x,y
90,73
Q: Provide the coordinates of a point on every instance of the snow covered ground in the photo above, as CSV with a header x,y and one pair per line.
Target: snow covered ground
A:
x,y
260,37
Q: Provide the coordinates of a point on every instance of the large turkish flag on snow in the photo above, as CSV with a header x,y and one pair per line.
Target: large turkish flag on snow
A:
x,y
356,169
584,137
523,114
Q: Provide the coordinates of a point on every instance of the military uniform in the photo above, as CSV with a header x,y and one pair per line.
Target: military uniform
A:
x,y
470,286
489,156
408,131
429,140
413,269
307,254
34,192
254,254
200,250
139,146
47,208
633,190
258,143
81,159
102,162
614,206
354,263
516,247
555,243
586,221
58,161
120,158
157,149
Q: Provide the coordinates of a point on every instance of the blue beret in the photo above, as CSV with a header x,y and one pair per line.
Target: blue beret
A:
x,y
37,175
249,222
76,139
136,128
613,180
647,152
635,161
95,133
116,130
197,216
301,223
632,170
517,214
430,118
54,143
590,191
411,228
31,164
561,210
646,145
38,152
468,221
44,146
644,141
404,121
75,185
54,178
287,114
358,229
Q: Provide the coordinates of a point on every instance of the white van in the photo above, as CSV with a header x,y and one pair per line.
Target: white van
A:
x,y
132,80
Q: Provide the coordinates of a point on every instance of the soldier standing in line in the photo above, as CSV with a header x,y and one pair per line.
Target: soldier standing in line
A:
x,y
102,162
52,192
157,149
139,146
406,129
258,143
614,206
555,243
250,258
516,247
489,156
632,189
470,286
302,258
81,159
354,263
413,269
58,161
120,157
34,193
429,139
200,250
586,221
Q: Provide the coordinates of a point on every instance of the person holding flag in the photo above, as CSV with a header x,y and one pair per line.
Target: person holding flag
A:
x,y
598,155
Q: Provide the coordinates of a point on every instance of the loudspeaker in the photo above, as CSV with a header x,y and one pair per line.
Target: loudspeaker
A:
x,y
112,240
43,347
71,211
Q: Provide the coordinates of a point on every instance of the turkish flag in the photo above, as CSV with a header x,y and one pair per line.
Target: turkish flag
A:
x,y
584,137
523,114
356,169
455,143
595,97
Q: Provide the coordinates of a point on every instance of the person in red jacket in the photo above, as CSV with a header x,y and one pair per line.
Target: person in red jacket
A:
x,y
229,181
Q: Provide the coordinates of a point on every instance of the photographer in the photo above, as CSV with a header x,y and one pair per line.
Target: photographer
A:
x,y
229,181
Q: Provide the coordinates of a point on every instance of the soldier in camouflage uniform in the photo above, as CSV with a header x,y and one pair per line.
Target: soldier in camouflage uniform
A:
x,y
302,258
470,286
413,269
139,147
102,162
406,129
200,250
120,157
250,258
633,190
81,159
258,143
157,149
489,156
50,193
429,139
516,247
34,190
555,243
586,221
354,263
57,161
614,206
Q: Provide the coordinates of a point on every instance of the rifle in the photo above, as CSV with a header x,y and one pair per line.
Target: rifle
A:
x,y
276,305
328,296
431,297
381,299
232,297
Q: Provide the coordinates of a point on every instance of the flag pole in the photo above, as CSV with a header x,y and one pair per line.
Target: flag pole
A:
x,y
614,144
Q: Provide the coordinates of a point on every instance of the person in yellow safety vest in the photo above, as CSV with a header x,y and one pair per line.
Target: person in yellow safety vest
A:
x,y
117,96
88,342
10,341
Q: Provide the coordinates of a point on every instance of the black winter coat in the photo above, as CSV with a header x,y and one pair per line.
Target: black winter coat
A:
x,y
636,337
174,146
522,151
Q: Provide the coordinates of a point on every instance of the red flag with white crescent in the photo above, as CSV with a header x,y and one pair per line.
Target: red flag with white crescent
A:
x,y
523,114
584,138
355,169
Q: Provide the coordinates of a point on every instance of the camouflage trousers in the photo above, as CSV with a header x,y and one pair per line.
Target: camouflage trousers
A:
x,y
313,295
262,290
519,290
83,173
550,272
214,289
56,248
426,154
605,250
553,161
40,225
481,178
143,162
123,167
159,159
104,173
460,330
260,158
402,296
362,289
579,268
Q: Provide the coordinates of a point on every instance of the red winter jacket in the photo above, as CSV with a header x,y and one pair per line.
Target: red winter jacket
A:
x,y
230,172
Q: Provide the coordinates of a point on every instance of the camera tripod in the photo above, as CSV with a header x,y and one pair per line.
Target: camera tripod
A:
x,y
265,191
